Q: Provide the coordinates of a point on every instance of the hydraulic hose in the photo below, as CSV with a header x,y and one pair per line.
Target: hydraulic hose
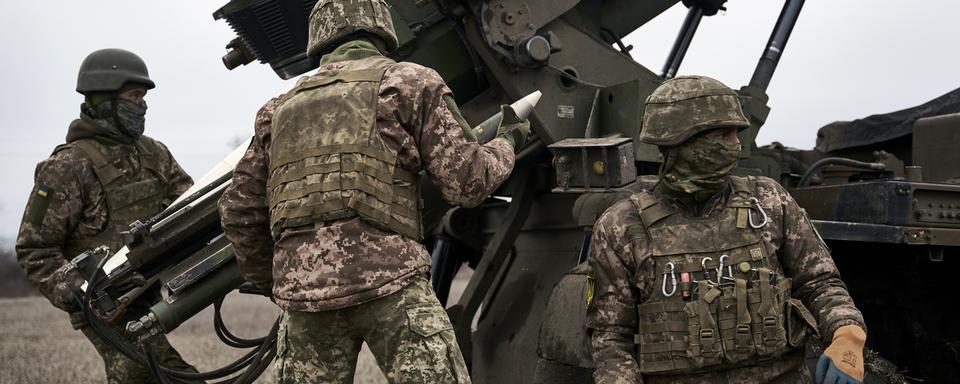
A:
x,y
255,361
225,335
837,161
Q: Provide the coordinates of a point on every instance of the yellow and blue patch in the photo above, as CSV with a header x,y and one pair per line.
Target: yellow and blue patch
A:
x,y
38,204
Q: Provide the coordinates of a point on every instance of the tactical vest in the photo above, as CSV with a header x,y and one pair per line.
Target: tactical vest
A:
x,y
130,194
705,316
328,160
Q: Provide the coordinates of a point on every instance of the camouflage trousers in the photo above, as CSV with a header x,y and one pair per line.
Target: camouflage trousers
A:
x,y
122,370
788,369
408,332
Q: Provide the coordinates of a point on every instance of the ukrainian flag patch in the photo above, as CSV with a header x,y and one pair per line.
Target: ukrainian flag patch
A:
x,y
38,204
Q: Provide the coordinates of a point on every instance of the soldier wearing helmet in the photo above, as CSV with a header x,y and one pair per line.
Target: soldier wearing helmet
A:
x,y
106,175
324,207
709,277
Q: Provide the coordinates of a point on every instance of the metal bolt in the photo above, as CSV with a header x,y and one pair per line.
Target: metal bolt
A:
x,y
599,167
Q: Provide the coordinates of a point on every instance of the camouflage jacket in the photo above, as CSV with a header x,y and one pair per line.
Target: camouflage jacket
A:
x,y
623,268
68,203
348,262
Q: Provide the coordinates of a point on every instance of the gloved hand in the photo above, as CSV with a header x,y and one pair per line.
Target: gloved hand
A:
x,y
842,361
512,128
66,289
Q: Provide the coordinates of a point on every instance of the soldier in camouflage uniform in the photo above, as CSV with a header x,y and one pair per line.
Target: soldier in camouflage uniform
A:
x,y
324,207
106,175
713,278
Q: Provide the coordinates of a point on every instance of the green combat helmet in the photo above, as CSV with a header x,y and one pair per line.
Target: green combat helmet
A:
x,y
332,20
687,105
106,70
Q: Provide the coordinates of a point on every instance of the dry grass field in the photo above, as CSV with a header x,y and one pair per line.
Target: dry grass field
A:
x,y
37,344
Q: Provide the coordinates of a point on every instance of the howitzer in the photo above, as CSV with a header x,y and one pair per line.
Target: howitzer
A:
x,y
490,52
528,322
182,253
525,296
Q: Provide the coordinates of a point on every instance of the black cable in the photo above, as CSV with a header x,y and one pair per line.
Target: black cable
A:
x,y
265,353
224,333
107,333
154,365
837,161
573,78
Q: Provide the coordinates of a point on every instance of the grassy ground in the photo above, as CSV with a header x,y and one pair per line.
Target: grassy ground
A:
x,y
37,344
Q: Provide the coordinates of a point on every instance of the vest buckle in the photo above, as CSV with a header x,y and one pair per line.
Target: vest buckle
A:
x,y
770,330
707,341
743,338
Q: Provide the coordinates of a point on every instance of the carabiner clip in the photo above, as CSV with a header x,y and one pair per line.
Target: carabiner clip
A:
x,y
673,278
720,275
703,265
763,214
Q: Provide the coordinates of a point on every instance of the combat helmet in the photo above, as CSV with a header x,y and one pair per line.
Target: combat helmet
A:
x,y
687,105
332,20
107,70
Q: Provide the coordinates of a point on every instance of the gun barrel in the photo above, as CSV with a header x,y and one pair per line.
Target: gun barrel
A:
x,y
679,50
778,40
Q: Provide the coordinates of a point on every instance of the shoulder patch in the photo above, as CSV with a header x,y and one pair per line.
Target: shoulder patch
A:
x,y
38,204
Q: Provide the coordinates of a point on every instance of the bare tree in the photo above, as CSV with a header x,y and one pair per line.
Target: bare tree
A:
x,y
13,282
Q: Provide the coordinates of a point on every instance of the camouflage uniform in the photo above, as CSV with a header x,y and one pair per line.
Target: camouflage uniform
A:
x,y
675,222
367,281
413,345
106,176
69,211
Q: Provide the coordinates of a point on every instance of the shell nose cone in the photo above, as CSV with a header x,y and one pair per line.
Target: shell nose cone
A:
x,y
533,98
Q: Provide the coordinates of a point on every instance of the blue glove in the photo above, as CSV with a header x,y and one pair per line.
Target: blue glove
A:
x,y
828,373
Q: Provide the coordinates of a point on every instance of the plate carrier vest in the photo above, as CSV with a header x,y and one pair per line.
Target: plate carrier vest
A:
x,y
704,315
328,160
130,196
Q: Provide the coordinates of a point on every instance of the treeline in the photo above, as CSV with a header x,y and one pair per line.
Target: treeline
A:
x,y
13,282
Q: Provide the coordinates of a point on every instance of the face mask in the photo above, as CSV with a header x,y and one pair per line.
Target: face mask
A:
x,y
131,117
701,166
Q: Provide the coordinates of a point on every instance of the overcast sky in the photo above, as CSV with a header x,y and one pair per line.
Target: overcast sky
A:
x,y
846,59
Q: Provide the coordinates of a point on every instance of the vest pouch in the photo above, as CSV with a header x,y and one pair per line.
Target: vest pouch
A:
x,y
767,320
705,346
800,323
735,323
662,339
